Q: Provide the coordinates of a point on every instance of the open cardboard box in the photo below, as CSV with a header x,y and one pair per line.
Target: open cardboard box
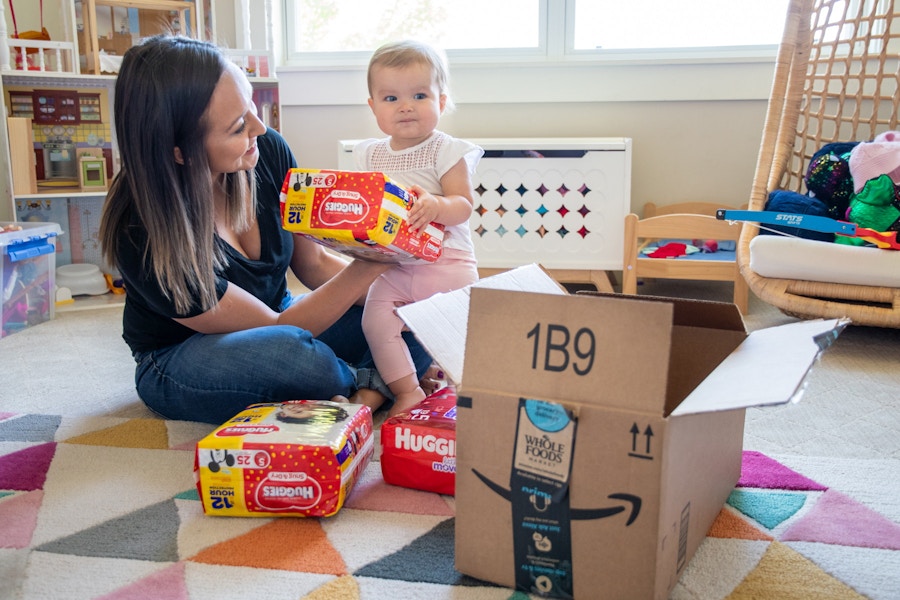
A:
x,y
598,436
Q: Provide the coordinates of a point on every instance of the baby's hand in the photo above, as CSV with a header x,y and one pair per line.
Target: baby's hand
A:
x,y
424,209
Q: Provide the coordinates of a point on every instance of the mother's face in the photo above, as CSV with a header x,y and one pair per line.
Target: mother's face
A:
x,y
232,125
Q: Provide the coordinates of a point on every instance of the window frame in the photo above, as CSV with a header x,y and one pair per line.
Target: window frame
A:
x,y
506,76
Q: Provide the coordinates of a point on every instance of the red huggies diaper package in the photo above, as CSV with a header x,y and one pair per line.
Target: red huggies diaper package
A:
x,y
418,447
298,459
358,213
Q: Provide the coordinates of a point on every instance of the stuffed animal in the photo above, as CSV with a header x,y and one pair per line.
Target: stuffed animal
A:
x,y
874,168
881,156
876,206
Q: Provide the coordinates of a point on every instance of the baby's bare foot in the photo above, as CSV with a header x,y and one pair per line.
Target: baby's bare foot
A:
x,y
406,401
371,398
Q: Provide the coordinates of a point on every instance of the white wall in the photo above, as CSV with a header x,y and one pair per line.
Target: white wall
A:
x,y
695,136
695,127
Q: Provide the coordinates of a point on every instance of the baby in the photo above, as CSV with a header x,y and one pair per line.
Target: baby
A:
x,y
408,92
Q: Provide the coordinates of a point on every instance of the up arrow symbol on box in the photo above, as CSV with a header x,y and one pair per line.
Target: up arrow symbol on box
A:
x,y
635,432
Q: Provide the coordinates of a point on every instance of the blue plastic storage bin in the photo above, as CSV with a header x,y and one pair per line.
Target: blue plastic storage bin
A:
x,y
27,274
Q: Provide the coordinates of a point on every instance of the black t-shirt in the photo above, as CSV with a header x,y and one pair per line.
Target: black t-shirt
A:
x,y
148,318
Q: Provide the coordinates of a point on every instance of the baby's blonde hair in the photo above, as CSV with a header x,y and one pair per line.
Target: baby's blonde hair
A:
x,y
411,52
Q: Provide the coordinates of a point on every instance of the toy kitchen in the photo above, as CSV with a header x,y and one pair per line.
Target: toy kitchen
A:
x,y
68,132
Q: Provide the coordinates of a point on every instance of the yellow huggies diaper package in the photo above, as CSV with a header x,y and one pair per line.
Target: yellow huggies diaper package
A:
x,y
358,213
299,458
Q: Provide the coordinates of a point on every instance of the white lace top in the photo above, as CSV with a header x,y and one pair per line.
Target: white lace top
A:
x,y
422,165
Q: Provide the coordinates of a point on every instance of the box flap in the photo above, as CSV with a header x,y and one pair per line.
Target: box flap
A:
x,y
691,312
704,333
696,352
768,368
440,322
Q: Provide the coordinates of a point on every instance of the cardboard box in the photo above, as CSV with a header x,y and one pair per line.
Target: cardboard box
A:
x,y
27,274
299,459
442,319
598,436
358,213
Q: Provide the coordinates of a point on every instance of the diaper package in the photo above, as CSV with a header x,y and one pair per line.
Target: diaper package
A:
x,y
359,213
418,447
299,458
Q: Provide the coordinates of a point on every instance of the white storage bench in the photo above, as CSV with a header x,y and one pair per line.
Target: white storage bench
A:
x,y
560,202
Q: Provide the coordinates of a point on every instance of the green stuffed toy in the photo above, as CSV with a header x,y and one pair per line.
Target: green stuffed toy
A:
x,y
876,207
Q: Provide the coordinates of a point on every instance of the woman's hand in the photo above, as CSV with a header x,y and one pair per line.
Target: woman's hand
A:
x,y
326,303
433,380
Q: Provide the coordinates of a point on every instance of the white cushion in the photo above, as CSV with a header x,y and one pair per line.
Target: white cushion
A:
x,y
782,257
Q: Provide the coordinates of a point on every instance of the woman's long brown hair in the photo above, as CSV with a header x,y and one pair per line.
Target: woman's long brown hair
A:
x,y
161,96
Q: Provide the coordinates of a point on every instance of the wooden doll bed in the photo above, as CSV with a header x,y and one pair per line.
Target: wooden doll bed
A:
x,y
836,80
685,221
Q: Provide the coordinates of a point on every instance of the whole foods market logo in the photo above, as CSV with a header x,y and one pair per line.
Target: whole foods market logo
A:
x,y
544,449
342,207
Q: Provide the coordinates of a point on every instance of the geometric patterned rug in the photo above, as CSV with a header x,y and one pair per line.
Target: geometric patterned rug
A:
x,y
106,508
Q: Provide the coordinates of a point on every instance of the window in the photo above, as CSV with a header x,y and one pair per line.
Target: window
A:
x,y
679,24
346,31
363,25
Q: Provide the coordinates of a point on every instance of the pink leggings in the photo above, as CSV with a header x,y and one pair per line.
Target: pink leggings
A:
x,y
402,285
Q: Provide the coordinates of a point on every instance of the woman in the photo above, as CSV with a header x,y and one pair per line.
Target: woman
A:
x,y
192,222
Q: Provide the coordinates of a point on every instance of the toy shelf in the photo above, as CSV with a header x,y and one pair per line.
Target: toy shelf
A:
x,y
154,16
70,66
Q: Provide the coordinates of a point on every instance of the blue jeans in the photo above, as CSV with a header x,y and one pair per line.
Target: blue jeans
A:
x,y
211,378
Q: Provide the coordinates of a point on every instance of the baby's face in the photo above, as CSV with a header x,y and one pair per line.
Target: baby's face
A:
x,y
406,102
298,410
